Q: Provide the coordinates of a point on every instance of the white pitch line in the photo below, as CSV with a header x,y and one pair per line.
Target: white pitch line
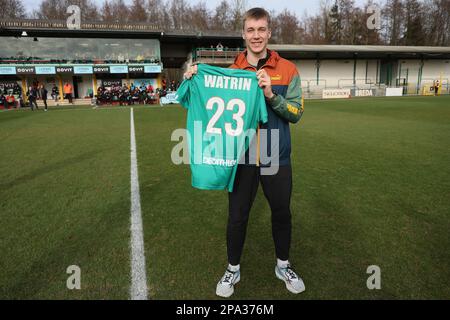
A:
x,y
138,275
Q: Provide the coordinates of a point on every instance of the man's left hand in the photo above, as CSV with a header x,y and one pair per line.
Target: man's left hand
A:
x,y
265,83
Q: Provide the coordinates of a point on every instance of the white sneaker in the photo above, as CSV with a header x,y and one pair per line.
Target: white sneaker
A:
x,y
293,282
225,287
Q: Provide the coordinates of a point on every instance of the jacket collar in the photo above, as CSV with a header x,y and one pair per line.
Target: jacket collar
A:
x,y
242,63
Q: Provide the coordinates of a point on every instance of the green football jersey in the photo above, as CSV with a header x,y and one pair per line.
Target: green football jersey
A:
x,y
224,109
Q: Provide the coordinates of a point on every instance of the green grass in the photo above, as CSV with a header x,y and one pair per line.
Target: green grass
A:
x,y
371,187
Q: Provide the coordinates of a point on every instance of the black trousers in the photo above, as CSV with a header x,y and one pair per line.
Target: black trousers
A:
x,y
277,190
32,102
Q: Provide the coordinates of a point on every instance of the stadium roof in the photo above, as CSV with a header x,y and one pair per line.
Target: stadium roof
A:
x,y
58,28
360,51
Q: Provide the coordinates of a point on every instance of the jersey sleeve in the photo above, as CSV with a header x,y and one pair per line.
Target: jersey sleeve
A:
x,y
184,94
291,107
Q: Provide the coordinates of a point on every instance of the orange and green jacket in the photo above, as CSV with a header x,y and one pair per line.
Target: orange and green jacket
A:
x,y
286,106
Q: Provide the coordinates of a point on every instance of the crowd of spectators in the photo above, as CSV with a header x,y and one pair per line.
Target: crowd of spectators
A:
x,y
11,96
127,95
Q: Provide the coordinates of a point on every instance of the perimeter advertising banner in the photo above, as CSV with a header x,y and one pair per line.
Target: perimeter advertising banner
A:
x,y
135,69
45,70
64,70
336,93
363,92
81,69
394,92
8,70
25,70
118,69
101,69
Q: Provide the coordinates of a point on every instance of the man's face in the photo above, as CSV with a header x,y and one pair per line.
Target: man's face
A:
x,y
256,35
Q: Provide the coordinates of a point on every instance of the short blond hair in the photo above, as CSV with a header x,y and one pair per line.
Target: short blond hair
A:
x,y
256,14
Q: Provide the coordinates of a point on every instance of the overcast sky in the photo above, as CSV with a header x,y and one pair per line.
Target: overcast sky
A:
x,y
297,6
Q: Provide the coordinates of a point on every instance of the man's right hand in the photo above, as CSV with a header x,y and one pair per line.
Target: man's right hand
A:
x,y
191,71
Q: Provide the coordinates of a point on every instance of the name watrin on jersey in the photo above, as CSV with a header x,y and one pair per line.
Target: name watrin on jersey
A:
x,y
224,109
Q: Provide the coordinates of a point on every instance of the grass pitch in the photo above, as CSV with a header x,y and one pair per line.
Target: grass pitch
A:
x,y
371,187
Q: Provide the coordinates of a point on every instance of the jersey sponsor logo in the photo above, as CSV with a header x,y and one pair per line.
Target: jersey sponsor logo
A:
x,y
231,83
219,162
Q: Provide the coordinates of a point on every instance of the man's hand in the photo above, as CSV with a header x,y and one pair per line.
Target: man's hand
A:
x,y
265,83
191,71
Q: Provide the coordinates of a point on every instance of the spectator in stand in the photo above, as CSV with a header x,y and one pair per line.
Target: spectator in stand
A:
x,y
55,93
3,102
17,89
436,87
43,93
219,47
68,91
149,88
11,100
164,84
21,103
173,86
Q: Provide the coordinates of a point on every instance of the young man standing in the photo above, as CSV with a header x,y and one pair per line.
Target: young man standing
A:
x,y
43,92
280,81
32,96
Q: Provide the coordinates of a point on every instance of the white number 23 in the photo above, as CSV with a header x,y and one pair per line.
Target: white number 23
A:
x,y
220,109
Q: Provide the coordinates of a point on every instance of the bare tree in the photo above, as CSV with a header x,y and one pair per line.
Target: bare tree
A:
x,y
51,9
12,9
238,9
289,28
57,9
199,16
137,12
106,12
414,30
158,14
120,11
404,22
437,22
393,24
274,28
177,12
221,19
